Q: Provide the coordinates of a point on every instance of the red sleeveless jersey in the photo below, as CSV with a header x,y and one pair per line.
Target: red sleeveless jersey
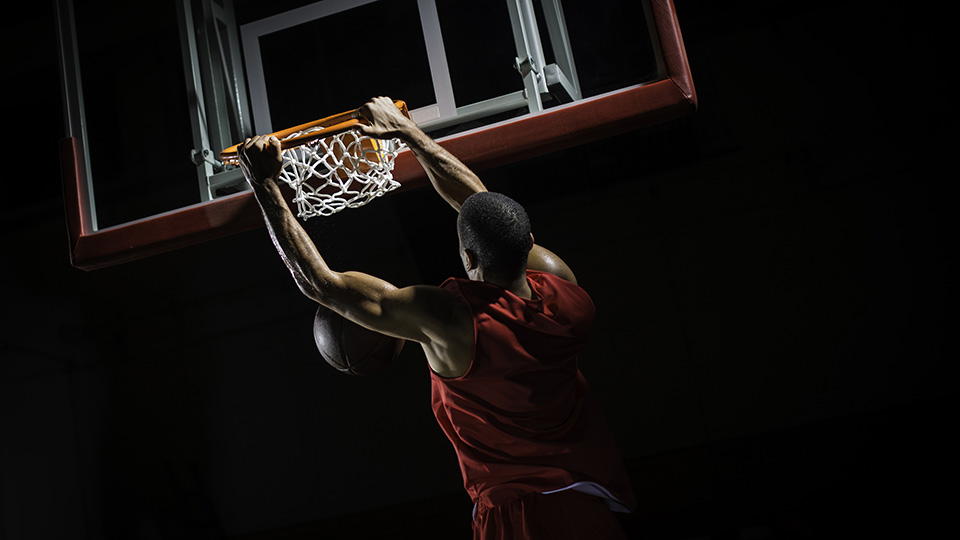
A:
x,y
522,419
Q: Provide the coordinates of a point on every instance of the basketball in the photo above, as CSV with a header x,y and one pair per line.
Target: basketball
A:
x,y
351,348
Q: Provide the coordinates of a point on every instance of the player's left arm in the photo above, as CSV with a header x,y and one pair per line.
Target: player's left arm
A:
x,y
421,313
453,180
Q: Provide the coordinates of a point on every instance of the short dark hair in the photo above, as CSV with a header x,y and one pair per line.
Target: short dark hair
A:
x,y
496,229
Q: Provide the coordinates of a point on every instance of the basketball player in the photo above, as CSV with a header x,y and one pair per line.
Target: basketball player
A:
x,y
536,455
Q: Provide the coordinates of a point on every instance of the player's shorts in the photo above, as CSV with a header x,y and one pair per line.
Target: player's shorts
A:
x,y
565,515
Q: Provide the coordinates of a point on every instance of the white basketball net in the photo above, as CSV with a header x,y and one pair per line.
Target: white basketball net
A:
x,y
345,170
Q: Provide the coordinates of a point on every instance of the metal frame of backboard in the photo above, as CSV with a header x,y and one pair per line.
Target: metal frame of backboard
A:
x,y
220,106
544,131
539,80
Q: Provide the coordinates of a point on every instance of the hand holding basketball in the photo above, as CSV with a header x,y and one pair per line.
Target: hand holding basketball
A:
x,y
383,120
260,159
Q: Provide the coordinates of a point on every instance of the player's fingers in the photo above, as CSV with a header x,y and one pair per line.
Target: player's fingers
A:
x,y
263,143
363,128
275,144
367,111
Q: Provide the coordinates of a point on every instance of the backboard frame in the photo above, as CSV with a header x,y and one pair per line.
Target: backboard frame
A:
x,y
528,136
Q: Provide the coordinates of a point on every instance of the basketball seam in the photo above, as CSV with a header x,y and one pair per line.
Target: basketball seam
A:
x,y
341,335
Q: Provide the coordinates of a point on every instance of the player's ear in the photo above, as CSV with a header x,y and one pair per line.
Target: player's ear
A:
x,y
469,259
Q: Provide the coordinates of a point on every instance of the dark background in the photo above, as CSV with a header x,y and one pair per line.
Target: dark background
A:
x,y
770,275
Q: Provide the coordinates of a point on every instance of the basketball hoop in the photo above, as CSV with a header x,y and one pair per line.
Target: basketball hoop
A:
x,y
331,165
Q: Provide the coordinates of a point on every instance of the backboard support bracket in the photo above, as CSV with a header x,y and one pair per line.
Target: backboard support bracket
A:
x,y
215,87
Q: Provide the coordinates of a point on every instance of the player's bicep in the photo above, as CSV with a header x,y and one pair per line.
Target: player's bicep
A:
x,y
418,313
544,260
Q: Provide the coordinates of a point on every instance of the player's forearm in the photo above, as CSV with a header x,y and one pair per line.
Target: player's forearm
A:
x,y
453,180
295,246
354,295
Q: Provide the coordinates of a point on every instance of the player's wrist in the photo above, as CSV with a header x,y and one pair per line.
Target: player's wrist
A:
x,y
404,129
267,186
418,141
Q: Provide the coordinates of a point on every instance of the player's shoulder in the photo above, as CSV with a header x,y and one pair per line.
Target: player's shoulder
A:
x,y
442,304
432,295
446,322
544,260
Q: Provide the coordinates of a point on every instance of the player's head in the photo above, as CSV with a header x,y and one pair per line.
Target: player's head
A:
x,y
496,230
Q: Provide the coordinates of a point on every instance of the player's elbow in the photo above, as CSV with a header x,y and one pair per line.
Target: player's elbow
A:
x,y
308,287
317,286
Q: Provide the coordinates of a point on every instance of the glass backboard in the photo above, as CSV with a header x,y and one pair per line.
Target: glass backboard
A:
x,y
152,94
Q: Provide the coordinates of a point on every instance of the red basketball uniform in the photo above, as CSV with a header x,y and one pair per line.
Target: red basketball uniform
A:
x,y
522,419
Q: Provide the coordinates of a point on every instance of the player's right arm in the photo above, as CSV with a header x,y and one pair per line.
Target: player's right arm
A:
x,y
431,316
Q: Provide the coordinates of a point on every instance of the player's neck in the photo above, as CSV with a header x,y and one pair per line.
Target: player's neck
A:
x,y
520,286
